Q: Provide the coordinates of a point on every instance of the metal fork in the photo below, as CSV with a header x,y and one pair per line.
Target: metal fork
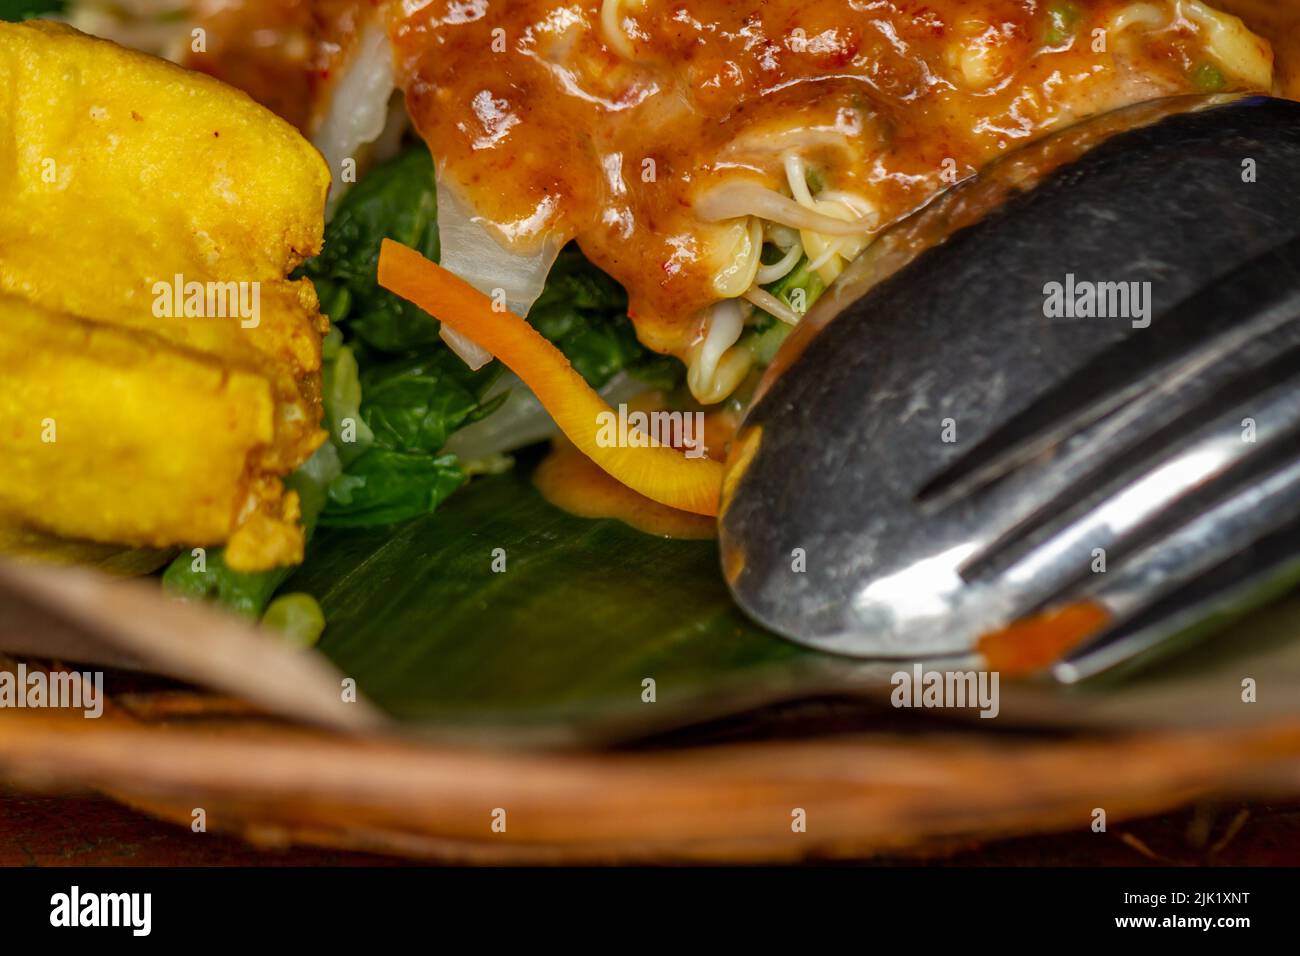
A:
x,y
947,455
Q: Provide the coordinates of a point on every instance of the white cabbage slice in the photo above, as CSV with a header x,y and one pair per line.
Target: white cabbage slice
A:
x,y
358,109
470,251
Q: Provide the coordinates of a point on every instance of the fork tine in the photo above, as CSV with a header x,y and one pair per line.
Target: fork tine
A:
x,y
1146,507
1199,346
1196,610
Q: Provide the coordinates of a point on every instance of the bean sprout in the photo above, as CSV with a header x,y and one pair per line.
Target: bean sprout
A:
x,y
772,305
766,275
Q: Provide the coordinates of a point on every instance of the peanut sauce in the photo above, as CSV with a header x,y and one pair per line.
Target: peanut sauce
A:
x,y
572,482
552,128
555,124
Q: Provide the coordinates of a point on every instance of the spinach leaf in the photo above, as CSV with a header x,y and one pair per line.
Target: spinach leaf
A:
x,y
397,200
401,392
394,393
584,313
389,422
385,486
415,404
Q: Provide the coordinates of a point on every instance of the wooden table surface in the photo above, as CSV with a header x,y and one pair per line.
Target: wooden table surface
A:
x,y
85,829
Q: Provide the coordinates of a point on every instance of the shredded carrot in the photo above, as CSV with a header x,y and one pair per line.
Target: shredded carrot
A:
x,y
660,473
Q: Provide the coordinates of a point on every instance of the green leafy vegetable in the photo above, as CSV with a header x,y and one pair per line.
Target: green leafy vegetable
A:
x,y
415,404
584,312
398,415
390,420
26,9
396,200
393,392
384,486
581,310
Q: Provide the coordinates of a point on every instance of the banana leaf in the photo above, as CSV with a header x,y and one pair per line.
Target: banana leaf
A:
x,y
503,619
500,610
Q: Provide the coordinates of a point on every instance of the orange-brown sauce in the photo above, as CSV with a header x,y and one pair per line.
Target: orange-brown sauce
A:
x,y
550,127
556,126
571,481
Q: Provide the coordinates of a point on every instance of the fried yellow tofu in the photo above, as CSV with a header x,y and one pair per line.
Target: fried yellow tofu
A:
x,y
99,420
149,217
